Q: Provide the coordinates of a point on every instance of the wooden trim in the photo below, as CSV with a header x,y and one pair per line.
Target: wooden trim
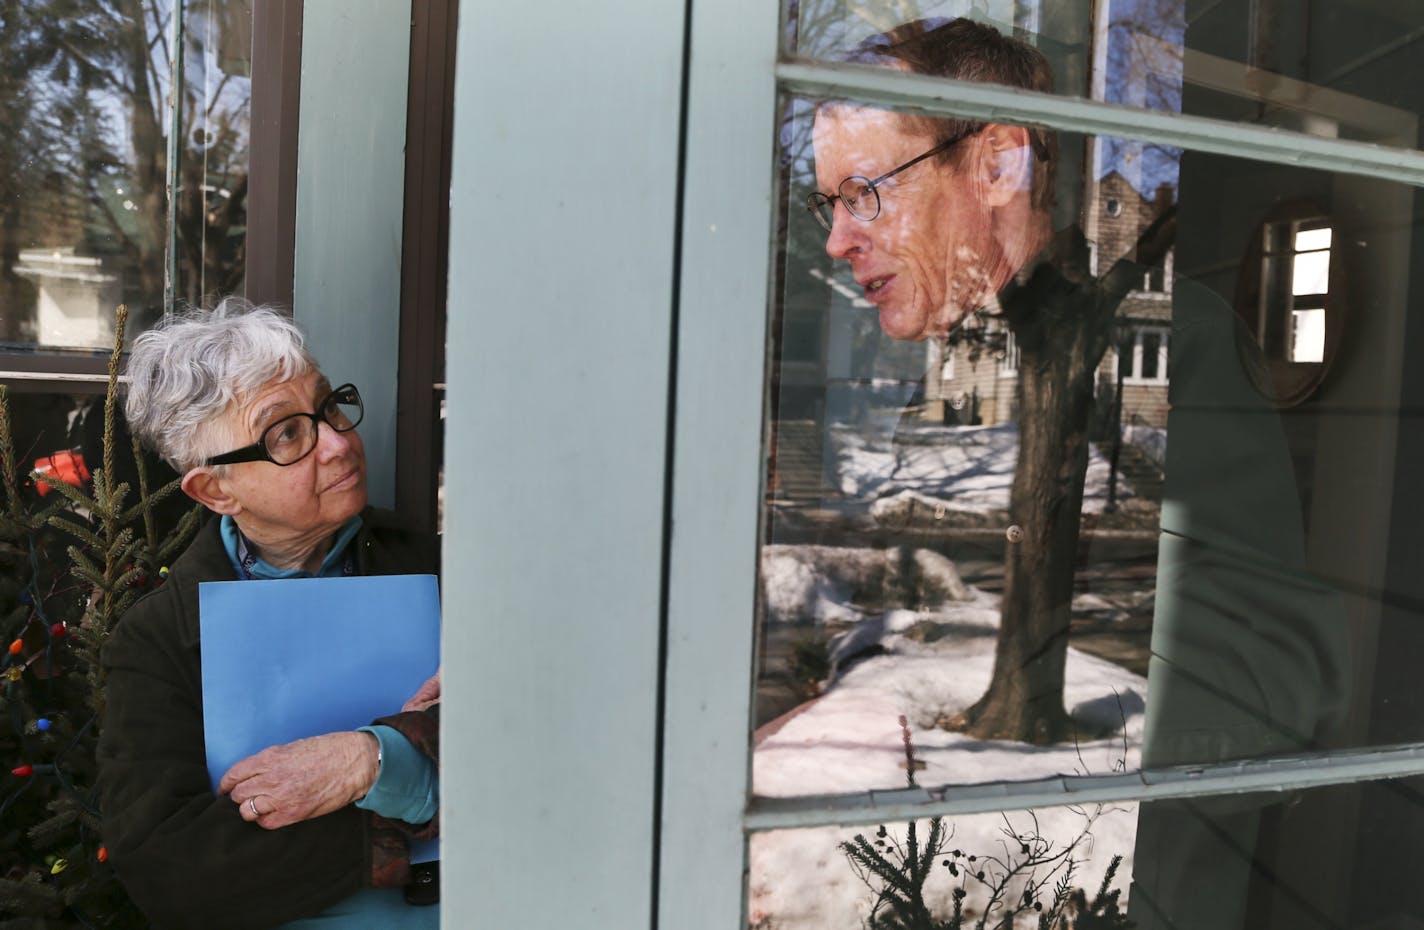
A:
x,y
272,184
424,260
52,372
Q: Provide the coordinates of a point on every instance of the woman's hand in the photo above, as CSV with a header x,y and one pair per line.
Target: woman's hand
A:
x,y
298,781
427,695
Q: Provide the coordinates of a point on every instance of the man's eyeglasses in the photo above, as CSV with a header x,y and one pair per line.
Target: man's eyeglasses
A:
x,y
859,194
292,438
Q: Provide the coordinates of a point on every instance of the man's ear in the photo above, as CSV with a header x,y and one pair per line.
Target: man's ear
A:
x,y
209,490
1006,163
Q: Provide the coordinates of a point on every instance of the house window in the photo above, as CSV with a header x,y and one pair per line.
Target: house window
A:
x,y
1158,279
1310,285
1142,355
1009,364
1295,272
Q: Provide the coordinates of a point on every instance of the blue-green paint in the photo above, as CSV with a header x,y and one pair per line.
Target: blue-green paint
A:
x,y
563,212
350,196
717,472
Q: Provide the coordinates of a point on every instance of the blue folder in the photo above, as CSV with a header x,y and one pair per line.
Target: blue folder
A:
x,y
299,657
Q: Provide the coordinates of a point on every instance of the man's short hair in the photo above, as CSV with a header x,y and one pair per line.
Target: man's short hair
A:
x,y
966,50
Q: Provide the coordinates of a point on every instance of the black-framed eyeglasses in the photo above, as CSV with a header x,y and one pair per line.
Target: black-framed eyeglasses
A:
x,y
292,438
859,194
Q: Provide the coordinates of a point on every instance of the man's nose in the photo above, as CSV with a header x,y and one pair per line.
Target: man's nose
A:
x,y
847,233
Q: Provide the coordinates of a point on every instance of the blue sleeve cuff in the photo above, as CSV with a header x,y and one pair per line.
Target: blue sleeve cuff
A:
x,y
408,786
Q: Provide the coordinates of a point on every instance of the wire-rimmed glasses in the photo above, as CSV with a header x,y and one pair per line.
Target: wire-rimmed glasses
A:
x,y
859,194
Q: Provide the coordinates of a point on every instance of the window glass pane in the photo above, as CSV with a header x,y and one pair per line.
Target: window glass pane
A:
x,y
1326,857
1339,69
84,122
1308,240
823,878
1043,568
1151,354
62,434
211,208
1312,273
1307,336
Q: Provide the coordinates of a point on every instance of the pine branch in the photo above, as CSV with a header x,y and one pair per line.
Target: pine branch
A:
x,y
86,569
7,459
933,845
870,858
77,499
187,525
146,500
50,830
76,529
118,548
111,396
144,507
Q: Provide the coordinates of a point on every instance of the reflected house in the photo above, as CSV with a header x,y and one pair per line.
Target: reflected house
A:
x,y
972,378
77,297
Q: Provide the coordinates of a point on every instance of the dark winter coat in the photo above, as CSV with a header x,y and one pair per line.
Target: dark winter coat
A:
x,y
186,857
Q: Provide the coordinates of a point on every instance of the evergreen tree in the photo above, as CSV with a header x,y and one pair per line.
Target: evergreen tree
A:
x,y
71,562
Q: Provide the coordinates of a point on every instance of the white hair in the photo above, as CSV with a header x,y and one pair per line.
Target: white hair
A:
x,y
194,367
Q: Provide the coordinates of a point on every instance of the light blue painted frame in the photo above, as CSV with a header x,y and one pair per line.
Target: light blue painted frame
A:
x,y
563,222
350,203
718,466
708,691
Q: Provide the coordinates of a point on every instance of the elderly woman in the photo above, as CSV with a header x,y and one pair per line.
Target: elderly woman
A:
x,y
316,831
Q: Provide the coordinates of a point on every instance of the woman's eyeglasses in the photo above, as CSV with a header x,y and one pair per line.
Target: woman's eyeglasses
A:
x,y
292,438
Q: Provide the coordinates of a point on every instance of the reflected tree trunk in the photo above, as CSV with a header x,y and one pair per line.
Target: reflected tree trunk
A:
x,y
1062,320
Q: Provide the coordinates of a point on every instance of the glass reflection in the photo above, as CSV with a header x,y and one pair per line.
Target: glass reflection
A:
x,y
84,121
211,208
1008,870
1333,857
64,435
1342,69
974,515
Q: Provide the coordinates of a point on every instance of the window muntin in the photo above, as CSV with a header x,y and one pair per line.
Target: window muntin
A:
x,y
1328,856
906,502
1327,69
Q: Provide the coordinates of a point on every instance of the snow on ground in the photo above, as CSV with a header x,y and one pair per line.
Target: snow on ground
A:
x,y
968,468
800,880
849,740
927,664
1151,441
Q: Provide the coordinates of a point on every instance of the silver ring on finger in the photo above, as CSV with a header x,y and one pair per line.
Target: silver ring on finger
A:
x,y
252,805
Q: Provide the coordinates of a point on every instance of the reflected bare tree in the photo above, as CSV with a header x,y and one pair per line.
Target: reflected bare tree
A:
x,y
1062,319
83,148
